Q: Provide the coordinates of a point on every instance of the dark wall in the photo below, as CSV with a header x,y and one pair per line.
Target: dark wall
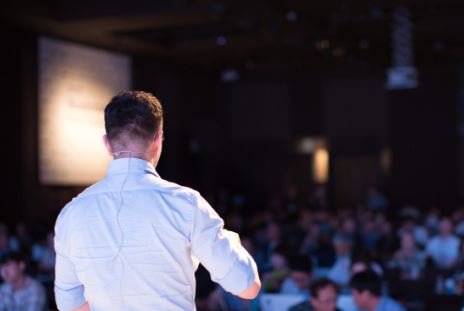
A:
x,y
424,141
10,134
355,114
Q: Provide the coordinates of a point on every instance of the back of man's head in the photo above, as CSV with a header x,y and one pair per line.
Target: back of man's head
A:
x,y
133,116
367,281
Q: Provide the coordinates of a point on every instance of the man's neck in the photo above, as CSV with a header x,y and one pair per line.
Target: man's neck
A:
x,y
134,155
373,304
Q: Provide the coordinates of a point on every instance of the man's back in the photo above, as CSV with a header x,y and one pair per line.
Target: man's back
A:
x,y
133,241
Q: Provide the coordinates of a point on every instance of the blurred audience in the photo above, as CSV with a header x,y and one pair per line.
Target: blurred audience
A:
x,y
297,238
19,292
324,294
376,200
408,259
297,283
272,280
444,247
340,271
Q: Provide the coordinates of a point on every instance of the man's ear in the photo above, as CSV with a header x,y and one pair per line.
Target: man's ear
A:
x,y
158,138
107,144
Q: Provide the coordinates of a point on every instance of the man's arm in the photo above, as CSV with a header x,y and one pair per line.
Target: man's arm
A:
x,y
69,292
222,254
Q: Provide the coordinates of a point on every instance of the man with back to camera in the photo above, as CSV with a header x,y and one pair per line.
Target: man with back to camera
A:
x,y
366,289
133,241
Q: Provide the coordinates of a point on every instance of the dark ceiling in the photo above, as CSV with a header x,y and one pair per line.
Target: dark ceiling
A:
x,y
250,33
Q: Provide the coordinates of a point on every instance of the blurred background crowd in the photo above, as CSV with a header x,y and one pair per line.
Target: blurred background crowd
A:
x,y
296,241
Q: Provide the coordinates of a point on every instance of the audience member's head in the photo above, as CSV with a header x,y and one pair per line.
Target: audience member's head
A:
x,y
366,288
273,231
279,257
301,271
445,227
409,223
12,267
324,294
348,226
408,244
342,245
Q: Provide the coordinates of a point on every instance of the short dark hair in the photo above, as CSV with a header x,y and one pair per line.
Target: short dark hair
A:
x,y
367,280
317,285
133,115
13,256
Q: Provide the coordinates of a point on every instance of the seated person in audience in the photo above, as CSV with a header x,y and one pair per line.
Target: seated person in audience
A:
x,y
409,260
444,247
324,294
270,240
366,289
19,292
300,277
272,280
340,271
418,231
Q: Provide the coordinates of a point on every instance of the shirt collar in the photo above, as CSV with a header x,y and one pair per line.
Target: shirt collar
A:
x,y
134,165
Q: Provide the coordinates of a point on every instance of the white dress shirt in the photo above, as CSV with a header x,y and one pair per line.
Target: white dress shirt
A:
x,y
133,242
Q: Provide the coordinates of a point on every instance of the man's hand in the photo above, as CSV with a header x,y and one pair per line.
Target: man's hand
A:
x,y
251,292
84,307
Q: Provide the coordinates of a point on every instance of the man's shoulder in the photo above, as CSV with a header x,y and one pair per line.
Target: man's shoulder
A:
x,y
175,189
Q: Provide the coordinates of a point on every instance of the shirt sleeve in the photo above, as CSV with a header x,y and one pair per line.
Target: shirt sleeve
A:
x,y
220,250
69,291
